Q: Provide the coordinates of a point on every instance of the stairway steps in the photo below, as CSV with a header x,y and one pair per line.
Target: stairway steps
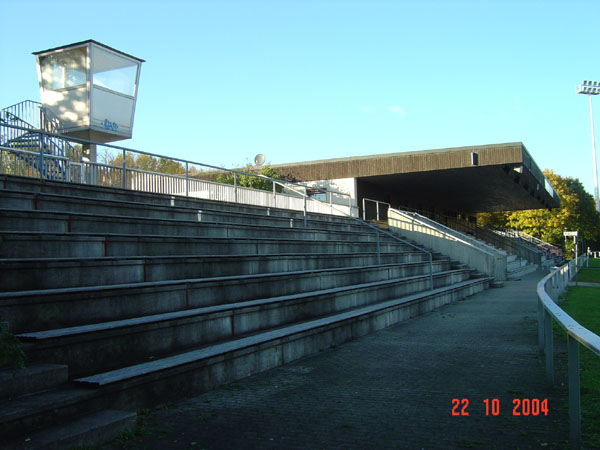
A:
x,y
40,244
30,412
41,309
82,432
279,346
26,274
36,377
67,222
151,297
242,215
83,348
27,193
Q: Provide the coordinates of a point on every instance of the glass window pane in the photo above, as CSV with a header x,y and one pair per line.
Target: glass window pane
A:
x,y
65,69
120,80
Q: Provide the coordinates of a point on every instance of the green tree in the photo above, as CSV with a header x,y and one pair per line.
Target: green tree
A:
x,y
148,163
251,180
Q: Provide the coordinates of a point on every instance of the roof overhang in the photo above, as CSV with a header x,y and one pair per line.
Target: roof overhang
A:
x,y
500,177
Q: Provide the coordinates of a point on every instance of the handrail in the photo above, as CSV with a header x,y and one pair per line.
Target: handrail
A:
x,y
285,183
408,215
185,176
535,241
27,152
377,203
548,310
393,236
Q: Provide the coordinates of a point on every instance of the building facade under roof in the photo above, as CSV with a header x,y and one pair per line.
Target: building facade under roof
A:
x,y
450,181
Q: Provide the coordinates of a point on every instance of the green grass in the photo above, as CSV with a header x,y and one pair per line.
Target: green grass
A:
x,y
594,263
589,275
583,304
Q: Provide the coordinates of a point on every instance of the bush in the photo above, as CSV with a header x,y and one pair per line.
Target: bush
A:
x,y
11,353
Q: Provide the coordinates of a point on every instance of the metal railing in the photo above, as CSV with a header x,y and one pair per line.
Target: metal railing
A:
x,y
381,209
33,114
399,239
27,118
293,196
512,246
542,245
449,233
123,176
549,289
445,230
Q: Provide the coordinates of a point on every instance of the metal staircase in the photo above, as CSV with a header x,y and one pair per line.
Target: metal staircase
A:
x,y
28,146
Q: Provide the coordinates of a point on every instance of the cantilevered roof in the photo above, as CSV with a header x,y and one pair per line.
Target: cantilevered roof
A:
x,y
498,177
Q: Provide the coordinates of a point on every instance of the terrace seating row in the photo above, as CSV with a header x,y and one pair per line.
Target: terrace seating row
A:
x,y
132,298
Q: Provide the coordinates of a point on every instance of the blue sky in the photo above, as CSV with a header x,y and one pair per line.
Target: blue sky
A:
x,y
313,79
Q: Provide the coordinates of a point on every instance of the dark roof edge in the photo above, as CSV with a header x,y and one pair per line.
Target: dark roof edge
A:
x,y
89,41
403,154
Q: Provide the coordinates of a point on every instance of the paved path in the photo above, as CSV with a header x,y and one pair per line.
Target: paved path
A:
x,y
583,283
390,390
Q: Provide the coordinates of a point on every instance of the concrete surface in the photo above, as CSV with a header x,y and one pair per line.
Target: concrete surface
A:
x,y
392,389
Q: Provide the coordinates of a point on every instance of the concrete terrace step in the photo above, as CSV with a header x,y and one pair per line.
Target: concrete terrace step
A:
x,y
29,412
517,272
59,245
202,369
18,201
53,273
33,378
151,297
42,309
107,345
82,432
68,222
100,194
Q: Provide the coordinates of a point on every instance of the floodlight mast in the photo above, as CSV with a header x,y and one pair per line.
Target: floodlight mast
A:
x,y
592,88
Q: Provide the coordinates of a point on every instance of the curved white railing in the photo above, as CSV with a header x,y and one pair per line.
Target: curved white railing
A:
x,y
548,290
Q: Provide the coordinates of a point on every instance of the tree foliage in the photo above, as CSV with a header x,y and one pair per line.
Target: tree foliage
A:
x,y
577,212
150,164
251,180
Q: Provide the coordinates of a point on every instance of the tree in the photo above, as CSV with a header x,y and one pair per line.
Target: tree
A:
x,y
147,163
577,212
251,180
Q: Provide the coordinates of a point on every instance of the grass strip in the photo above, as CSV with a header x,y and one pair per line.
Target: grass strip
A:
x,y
594,263
583,304
589,275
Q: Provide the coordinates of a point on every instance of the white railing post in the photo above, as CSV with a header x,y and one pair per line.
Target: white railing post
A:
x,y
187,179
41,155
549,347
124,169
574,392
235,190
305,212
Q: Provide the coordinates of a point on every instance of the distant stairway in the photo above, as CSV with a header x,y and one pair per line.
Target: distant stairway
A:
x,y
144,298
31,128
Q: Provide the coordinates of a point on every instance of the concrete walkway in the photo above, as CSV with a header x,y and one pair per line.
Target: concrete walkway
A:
x,y
583,283
390,390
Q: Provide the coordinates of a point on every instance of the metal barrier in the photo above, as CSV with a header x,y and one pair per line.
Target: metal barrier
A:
x,y
399,239
294,196
101,174
381,209
548,290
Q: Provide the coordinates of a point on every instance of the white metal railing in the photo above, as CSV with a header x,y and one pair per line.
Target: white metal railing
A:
x,y
549,289
108,175
125,177
532,240
381,209
448,232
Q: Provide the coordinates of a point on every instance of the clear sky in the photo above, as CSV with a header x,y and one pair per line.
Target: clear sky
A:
x,y
300,80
